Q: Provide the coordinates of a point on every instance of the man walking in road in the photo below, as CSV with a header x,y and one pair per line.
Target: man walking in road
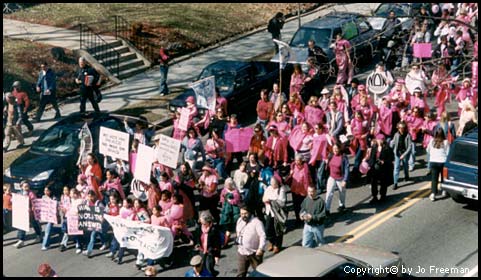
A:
x,y
313,212
251,241
24,103
164,70
47,87
275,25
12,115
88,79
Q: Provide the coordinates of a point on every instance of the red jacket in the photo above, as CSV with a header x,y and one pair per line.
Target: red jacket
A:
x,y
264,109
278,152
22,99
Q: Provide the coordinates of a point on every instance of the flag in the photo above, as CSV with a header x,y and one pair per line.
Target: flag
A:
x,y
86,144
205,93
285,53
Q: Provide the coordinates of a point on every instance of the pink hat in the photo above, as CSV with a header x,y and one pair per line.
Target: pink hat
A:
x,y
360,87
400,81
190,99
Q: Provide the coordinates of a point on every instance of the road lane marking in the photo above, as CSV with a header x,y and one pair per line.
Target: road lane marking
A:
x,y
378,216
471,272
390,215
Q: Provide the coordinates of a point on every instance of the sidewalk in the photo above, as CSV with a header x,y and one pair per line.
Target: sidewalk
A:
x,y
145,85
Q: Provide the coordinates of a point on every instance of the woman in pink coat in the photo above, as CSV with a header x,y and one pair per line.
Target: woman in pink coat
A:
x,y
441,81
313,114
112,183
417,100
281,123
399,96
343,60
467,93
385,119
300,141
177,219
297,80
276,148
358,148
414,123
300,181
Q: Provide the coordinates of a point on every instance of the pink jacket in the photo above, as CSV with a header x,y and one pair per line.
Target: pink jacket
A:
x,y
428,125
313,115
301,179
319,148
115,184
385,120
235,201
277,153
414,125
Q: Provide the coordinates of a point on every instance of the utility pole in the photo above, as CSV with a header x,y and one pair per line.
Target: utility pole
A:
x,y
299,14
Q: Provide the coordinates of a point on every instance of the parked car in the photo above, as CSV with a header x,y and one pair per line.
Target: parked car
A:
x,y
331,261
405,12
240,82
52,158
460,173
323,30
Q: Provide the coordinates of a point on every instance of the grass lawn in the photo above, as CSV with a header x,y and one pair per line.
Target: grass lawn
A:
x,y
182,27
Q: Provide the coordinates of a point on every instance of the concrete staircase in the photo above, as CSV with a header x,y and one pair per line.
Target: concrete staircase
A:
x,y
131,62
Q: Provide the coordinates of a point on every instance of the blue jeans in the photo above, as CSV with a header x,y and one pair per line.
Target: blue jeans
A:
x,y
313,236
36,226
164,69
93,235
412,156
357,159
48,230
219,165
397,167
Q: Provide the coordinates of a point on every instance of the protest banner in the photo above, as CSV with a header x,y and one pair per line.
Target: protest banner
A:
x,y
114,143
287,54
138,190
153,242
377,83
184,119
422,50
20,212
72,225
90,217
86,144
238,139
205,93
168,154
45,210
143,165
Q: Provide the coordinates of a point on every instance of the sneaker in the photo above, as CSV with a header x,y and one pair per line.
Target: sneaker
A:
x,y
78,251
411,168
432,197
109,255
63,248
341,208
394,187
104,247
444,194
19,244
162,94
44,249
86,253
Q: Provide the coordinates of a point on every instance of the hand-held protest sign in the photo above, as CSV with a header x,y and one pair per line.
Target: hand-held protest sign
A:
x,y
138,190
20,215
238,140
90,217
422,50
114,143
168,154
73,224
377,83
86,144
45,210
184,119
205,93
153,242
143,165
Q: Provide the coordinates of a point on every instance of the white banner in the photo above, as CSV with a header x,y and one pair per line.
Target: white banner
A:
x,y
168,153
153,241
114,143
20,212
143,165
288,54
205,93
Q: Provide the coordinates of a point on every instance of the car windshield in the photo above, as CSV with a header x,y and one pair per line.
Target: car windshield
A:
x,y
384,9
465,153
320,36
59,140
224,79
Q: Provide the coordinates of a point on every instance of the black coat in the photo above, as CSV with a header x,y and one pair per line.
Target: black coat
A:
x,y
213,240
384,173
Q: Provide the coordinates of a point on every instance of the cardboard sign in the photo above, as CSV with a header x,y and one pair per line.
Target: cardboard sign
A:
x,y
422,50
205,93
20,215
138,190
90,217
72,225
114,143
377,83
168,154
45,210
152,241
238,140
184,119
143,165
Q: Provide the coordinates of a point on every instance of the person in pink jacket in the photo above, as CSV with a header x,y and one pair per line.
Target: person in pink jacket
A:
x,y
313,114
230,199
300,180
177,220
276,148
112,184
417,100
360,131
414,123
467,93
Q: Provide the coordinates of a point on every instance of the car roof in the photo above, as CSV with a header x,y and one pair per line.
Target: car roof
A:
x,y
77,118
299,261
471,135
331,20
228,64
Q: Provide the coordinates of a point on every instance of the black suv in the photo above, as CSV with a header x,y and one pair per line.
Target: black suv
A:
x,y
460,172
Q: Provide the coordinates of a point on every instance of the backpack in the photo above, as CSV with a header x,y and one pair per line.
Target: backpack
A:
x,y
271,26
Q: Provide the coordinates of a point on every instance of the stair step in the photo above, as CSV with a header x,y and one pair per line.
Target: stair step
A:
x,y
131,72
112,60
107,53
113,44
130,64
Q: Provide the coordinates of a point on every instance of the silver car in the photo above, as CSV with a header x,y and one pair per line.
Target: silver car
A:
x,y
333,260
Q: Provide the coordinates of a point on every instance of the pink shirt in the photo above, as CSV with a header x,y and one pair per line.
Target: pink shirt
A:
x,y
209,190
335,167
159,221
166,186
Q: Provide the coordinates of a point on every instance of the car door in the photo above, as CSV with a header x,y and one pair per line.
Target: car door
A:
x,y
367,39
244,92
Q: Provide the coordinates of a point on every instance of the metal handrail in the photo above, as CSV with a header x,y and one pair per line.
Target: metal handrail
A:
x,y
126,31
91,40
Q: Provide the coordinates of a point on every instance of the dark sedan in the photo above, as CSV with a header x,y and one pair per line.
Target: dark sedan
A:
x,y
240,82
52,158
